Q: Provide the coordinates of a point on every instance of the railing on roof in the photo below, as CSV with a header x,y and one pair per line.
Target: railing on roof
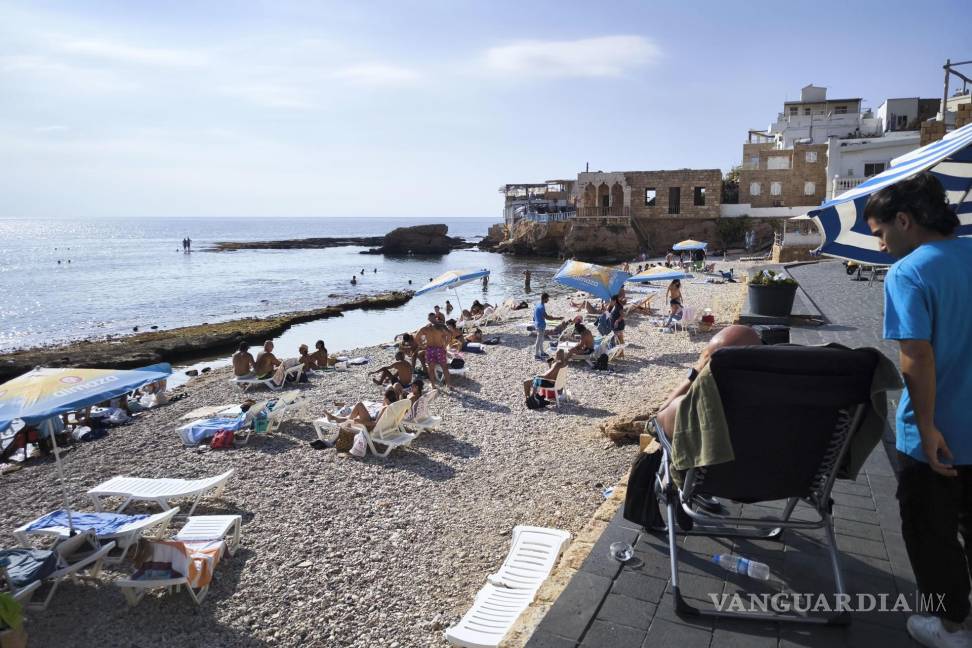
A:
x,y
844,184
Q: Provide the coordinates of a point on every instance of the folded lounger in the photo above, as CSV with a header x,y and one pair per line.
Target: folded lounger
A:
x,y
511,589
187,560
25,569
160,491
287,405
121,531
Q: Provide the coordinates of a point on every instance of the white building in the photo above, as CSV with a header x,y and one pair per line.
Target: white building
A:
x,y
906,114
851,161
815,119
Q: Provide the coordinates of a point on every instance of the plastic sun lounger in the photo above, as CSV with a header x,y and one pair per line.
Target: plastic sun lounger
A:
x,y
558,391
201,543
160,491
389,431
491,616
289,404
124,539
510,590
245,383
421,420
67,567
532,557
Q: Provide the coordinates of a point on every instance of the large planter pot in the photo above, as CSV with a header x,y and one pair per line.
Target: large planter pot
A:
x,y
772,300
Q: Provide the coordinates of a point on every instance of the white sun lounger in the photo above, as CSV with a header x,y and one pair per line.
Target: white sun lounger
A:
x,y
202,542
491,616
160,491
421,420
70,562
388,431
510,590
531,558
288,405
122,540
246,382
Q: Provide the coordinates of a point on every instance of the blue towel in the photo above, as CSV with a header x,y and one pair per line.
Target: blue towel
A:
x,y
24,566
100,523
207,428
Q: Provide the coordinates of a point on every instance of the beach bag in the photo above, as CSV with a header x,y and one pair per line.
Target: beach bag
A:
x,y
345,439
222,439
360,447
601,364
640,503
457,363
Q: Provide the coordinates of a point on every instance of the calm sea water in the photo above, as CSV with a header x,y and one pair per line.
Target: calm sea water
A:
x,y
115,274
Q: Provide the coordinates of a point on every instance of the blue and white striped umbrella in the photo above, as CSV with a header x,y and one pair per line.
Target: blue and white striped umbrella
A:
x,y
451,279
841,220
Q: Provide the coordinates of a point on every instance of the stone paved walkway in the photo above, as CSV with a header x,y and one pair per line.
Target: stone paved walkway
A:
x,y
610,604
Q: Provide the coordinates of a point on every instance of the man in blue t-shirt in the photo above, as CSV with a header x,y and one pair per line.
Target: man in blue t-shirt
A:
x,y
928,310
540,318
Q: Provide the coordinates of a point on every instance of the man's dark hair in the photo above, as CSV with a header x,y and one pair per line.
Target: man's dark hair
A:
x,y
243,347
451,322
418,384
544,297
580,328
922,198
319,344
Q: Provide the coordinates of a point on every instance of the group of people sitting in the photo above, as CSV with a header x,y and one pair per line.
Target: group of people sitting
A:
x,y
267,365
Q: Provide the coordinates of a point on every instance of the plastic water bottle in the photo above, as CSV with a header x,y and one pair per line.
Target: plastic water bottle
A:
x,y
742,565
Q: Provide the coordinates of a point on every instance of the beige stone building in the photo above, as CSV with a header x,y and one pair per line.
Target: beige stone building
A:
x,y
774,177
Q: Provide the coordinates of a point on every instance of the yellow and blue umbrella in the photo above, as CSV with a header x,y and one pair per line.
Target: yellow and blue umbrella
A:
x,y
600,281
45,392
689,244
42,393
658,273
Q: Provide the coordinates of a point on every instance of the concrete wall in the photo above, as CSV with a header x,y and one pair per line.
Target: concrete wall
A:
x,y
846,158
745,209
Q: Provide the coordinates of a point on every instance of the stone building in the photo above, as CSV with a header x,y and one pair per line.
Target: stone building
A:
x,y
662,207
774,177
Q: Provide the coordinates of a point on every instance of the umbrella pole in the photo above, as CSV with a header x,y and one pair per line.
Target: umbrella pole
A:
x,y
455,291
60,477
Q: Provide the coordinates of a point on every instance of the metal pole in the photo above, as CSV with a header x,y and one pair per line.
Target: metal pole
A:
x,y
947,65
60,476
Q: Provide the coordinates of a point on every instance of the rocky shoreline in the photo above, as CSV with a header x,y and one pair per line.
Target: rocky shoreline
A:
x,y
178,344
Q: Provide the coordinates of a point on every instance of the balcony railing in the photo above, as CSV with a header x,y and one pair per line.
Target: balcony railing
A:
x,y
604,212
551,217
844,184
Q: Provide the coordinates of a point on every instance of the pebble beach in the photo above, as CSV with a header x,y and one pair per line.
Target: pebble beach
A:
x,y
340,551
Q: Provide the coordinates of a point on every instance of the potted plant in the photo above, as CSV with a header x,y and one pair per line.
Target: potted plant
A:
x,y
771,293
12,633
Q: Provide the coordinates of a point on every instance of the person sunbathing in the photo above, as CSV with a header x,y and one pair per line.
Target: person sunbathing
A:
x,y
588,307
731,336
586,344
397,373
266,362
457,341
548,378
360,414
476,336
243,363
318,359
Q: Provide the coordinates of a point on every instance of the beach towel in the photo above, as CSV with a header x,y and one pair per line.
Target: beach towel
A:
x,y
203,430
194,560
100,523
24,566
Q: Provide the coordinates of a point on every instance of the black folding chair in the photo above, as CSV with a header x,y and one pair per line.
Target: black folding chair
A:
x,y
791,413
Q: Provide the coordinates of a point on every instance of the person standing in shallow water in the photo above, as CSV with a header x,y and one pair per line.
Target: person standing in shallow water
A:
x,y
526,280
928,310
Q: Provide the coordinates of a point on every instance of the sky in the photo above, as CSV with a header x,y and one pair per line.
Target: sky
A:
x,y
415,108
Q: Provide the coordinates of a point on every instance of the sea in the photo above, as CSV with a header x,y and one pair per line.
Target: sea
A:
x,y
69,279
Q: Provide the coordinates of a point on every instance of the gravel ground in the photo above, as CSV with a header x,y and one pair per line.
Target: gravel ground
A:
x,y
339,551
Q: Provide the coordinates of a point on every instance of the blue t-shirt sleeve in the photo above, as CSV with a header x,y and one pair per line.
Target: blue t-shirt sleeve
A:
x,y
907,315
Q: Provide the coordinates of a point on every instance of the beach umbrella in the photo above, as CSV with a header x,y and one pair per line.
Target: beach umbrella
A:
x,y
452,280
689,244
841,220
658,273
40,394
600,281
